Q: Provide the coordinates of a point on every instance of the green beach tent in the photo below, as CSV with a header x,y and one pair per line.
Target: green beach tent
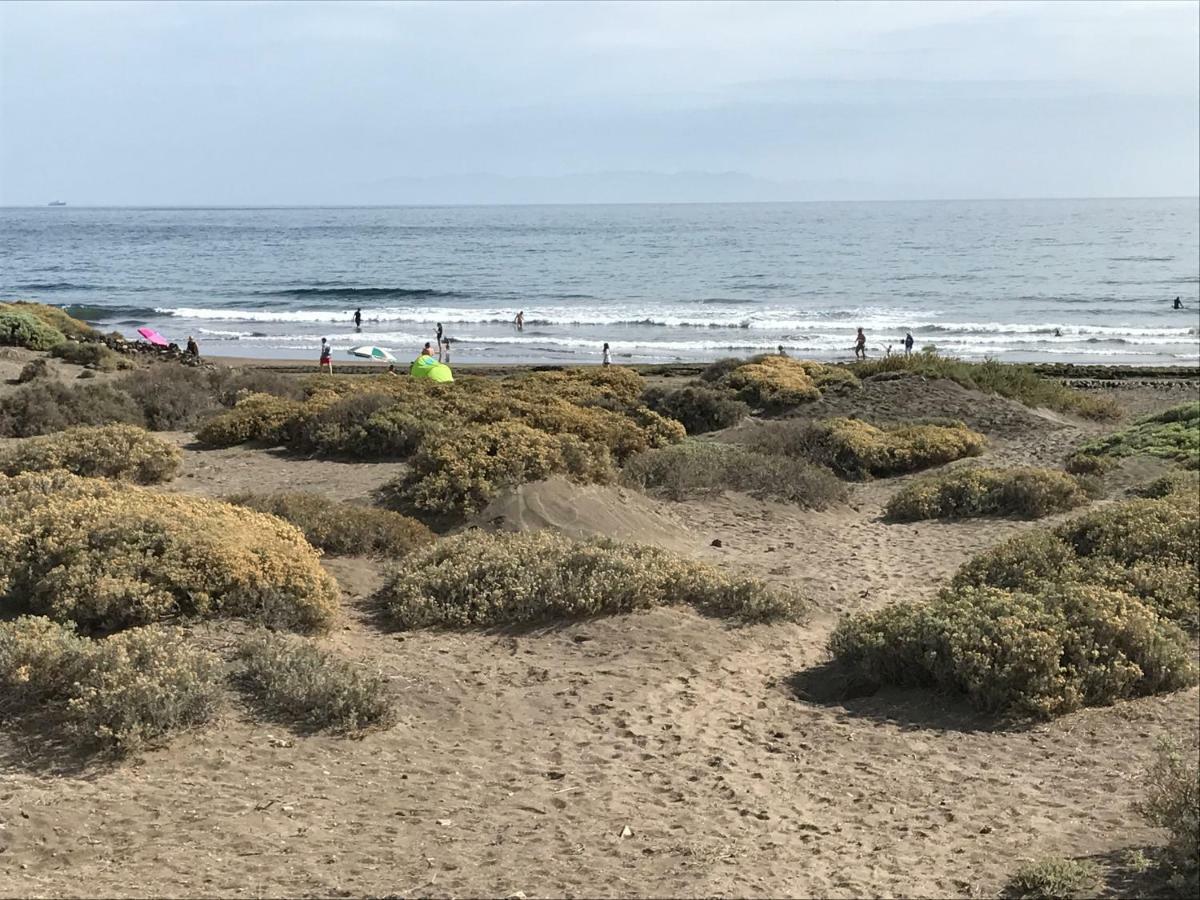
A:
x,y
428,367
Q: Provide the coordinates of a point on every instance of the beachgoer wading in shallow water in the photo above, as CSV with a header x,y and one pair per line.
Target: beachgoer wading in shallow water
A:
x,y
519,321
358,320
860,345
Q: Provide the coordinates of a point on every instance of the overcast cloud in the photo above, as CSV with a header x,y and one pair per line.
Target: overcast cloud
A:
x,y
293,103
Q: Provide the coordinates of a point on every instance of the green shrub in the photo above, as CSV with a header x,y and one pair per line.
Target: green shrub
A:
x,y
104,451
1015,381
1173,434
93,354
480,579
463,473
174,397
700,468
22,329
717,370
43,406
1087,464
53,317
1027,493
39,661
1055,879
107,556
1186,483
256,417
1173,804
33,370
772,383
856,450
296,681
137,687
1020,654
699,409
342,528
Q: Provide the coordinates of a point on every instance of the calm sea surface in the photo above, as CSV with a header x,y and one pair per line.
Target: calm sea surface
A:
x,y
1081,281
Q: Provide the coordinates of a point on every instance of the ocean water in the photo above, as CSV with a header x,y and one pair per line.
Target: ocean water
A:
x,y
1039,280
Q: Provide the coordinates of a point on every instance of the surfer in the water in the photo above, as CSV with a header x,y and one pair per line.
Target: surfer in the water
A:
x,y
1178,304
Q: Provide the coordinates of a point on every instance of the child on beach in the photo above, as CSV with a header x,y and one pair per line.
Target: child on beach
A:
x,y
326,356
607,355
444,349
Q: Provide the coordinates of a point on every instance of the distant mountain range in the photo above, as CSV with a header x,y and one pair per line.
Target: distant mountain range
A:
x,y
599,187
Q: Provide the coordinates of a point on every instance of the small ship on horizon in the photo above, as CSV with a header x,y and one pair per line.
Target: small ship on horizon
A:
x,y
57,203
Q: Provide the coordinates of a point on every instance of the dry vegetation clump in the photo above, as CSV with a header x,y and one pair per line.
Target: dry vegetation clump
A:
x,y
124,452
45,405
1173,803
698,408
136,687
776,383
478,579
1087,464
342,528
702,468
297,681
857,450
108,556
1185,482
1083,615
1055,879
1014,381
92,354
182,397
1027,493
54,317
256,417
1172,434
33,370
38,661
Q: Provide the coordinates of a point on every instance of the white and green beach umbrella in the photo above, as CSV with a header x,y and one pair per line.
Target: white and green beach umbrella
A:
x,y
373,353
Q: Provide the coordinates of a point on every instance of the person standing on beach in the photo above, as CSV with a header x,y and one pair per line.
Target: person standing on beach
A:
x,y
326,356
439,335
444,351
607,356
519,321
860,345
358,320
193,348
908,343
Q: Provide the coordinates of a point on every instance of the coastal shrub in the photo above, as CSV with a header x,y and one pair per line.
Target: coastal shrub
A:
x,y
53,317
1012,380
1173,804
174,397
480,579
22,329
1027,493
1020,654
108,556
1087,464
134,688
857,450
342,528
700,468
93,354
39,660
46,405
103,451
462,475
256,417
33,370
1173,434
717,370
298,682
1055,879
1185,482
699,409
773,383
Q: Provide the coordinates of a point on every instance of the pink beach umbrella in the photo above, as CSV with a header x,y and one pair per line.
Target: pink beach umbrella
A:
x,y
153,337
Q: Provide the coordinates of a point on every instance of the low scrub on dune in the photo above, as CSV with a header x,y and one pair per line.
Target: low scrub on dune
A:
x,y
46,405
342,528
116,694
698,408
1173,804
1052,621
479,579
1089,464
22,329
92,354
294,680
1173,434
54,317
1027,493
33,370
256,417
1185,482
777,383
124,452
702,468
1011,380
857,450
1055,879
174,397
107,556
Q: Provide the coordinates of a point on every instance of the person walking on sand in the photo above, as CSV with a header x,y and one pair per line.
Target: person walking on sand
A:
x,y
193,348
860,345
326,356
607,356
908,343
358,320
519,321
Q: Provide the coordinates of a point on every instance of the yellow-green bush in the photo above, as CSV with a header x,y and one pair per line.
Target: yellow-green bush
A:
x,y
295,680
38,661
773,383
1173,803
463,472
698,408
256,417
136,687
54,317
479,579
857,450
92,354
22,329
108,556
342,528
1185,482
1055,879
1028,493
1172,434
107,451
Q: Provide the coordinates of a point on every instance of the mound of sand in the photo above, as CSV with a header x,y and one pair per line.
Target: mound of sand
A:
x,y
584,511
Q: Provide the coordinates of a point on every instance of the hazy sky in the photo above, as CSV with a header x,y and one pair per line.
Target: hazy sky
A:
x,y
278,102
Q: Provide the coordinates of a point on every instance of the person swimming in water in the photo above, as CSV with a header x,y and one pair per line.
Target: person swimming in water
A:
x,y
1178,304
